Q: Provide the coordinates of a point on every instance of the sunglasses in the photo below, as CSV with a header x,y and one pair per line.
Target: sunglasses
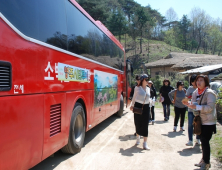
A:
x,y
146,79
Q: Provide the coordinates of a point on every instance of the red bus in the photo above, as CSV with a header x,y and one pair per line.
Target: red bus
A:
x,y
61,74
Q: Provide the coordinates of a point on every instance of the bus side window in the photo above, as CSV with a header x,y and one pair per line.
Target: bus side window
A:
x,y
86,39
41,20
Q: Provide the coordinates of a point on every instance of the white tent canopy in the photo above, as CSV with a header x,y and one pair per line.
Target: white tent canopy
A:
x,y
203,69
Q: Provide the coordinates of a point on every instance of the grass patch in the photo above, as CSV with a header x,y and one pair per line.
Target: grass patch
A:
x,y
216,144
157,49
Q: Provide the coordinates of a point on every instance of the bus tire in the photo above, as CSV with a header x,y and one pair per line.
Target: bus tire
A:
x,y
77,131
120,112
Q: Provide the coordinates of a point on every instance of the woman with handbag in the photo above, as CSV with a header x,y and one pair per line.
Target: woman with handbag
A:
x,y
189,93
176,96
140,102
164,90
206,101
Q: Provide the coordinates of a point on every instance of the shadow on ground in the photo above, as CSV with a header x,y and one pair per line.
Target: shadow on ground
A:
x,y
90,135
130,151
160,122
196,149
52,162
174,134
127,137
219,121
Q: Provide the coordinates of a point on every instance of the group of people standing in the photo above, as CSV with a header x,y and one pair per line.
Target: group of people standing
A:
x,y
202,103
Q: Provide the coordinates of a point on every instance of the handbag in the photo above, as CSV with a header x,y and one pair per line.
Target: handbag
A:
x,y
161,99
197,122
175,95
139,110
197,125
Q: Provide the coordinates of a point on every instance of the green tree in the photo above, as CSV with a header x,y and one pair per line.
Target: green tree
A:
x,y
97,9
169,37
133,31
200,24
117,23
129,7
184,25
142,19
214,38
220,44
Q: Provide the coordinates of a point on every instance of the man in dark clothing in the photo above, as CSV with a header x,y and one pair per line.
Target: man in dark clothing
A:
x,y
164,90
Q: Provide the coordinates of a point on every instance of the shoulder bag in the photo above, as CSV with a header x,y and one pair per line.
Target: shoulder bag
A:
x,y
175,95
137,110
197,121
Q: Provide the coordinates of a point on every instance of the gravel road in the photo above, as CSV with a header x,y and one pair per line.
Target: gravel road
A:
x,y
111,146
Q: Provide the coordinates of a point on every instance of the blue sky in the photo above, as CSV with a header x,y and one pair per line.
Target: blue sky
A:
x,y
212,7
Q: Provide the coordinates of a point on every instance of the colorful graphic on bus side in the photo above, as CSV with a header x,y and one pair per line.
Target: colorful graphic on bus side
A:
x,y
105,88
71,73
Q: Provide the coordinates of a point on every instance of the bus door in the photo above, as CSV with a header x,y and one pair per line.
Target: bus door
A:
x,y
129,71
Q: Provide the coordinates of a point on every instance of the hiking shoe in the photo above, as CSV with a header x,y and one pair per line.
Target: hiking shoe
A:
x,y
205,166
189,143
145,146
182,129
198,142
200,163
152,122
137,140
174,128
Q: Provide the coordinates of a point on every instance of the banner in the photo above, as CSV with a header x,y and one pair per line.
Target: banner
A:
x,y
71,73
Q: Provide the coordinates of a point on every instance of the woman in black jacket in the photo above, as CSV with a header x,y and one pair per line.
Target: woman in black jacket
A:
x,y
153,98
164,90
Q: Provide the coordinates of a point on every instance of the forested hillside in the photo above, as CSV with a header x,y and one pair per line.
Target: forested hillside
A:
x,y
148,36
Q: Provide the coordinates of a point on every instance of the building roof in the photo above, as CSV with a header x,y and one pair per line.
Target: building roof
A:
x,y
204,69
198,61
185,61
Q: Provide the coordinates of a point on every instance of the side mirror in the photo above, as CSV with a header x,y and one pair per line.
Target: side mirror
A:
x,y
128,66
131,69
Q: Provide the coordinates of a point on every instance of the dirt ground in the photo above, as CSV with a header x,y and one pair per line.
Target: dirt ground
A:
x,y
111,146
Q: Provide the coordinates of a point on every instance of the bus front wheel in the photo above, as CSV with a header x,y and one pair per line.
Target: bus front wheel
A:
x,y
77,131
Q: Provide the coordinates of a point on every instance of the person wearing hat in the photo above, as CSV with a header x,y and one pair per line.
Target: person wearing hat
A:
x,y
176,96
153,99
141,99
